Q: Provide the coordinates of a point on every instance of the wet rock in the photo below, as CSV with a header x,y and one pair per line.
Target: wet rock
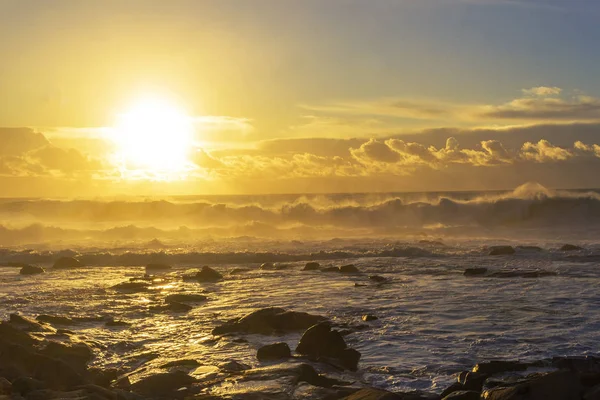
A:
x,y
181,363
55,320
11,334
233,366
268,321
172,306
558,385
67,263
463,395
311,266
330,269
162,384
498,366
276,351
321,342
501,250
24,385
475,271
377,278
31,270
28,324
592,394
207,274
267,266
185,298
472,381
349,269
369,317
76,354
309,375
581,365
131,287
5,386
157,267
103,376
374,394
570,247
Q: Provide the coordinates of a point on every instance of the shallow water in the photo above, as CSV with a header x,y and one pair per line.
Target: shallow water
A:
x,y
433,321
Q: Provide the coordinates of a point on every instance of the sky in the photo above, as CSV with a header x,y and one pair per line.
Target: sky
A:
x,y
279,96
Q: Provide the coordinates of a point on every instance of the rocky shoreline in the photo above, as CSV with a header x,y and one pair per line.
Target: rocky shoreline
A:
x,y
40,360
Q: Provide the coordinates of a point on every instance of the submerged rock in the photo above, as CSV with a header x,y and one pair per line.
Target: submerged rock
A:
x,y
172,306
274,351
185,298
570,247
311,266
207,274
55,320
131,287
349,269
501,250
67,263
475,271
181,363
268,321
369,317
233,366
31,270
162,384
320,342
377,278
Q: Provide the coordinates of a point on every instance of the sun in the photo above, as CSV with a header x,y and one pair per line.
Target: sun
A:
x,y
154,138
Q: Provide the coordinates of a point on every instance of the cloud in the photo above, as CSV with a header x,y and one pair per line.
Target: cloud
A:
x,y
542,91
64,160
17,141
375,150
542,108
222,128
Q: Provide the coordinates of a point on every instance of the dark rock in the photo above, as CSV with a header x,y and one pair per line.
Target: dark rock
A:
x,y
207,274
162,384
320,341
349,269
181,363
581,365
330,269
5,386
377,278
11,334
185,298
172,306
558,385
374,394
498,366
570,247
311,266
309,375
28,324
274,351
157,267
472,381
103,376
77,354
592,394
455,387
131,287
501,250
269,321
24,385
369,317
31,270
233,366
55,320
267,266
67,263
463,395
475,271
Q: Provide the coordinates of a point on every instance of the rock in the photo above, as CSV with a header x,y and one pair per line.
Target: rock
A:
x,y
55,320
558,385
103,377
463,395
131,287
77,354
268,321
31,270
497,366
267,266
28,324
374,394
590,394
24,385
349,269
67,263
274,351
377,278
172,306
472,381
501,250
207,274
185,298
369,317
116,323
181,363
581,365
309,375
570,247
311,266
162,384
475,271
320,341
5,386
157,267
11,334
233,366
330,269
